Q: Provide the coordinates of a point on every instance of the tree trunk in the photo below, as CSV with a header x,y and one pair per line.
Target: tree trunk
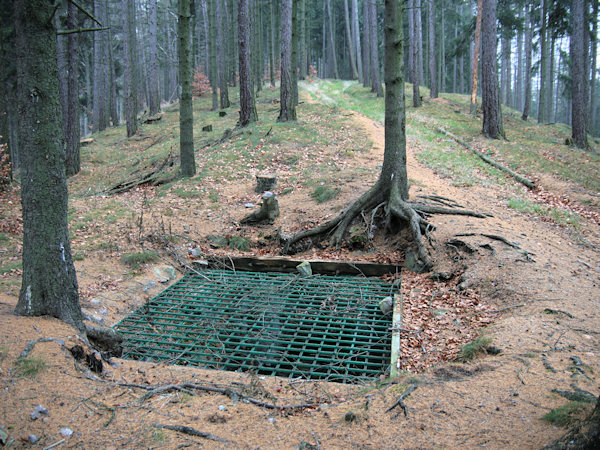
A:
x,y
374,54
490,101
592,127
302,48
432,63
294,56
129,67
221,54
356,40
186,118
543,104
330,36
366,54
578,75
528,74
154,97
475,62
287,109
213,72
411,37
99,95
49,283
247,106
419,31
518,97
351,54
505,72
414,47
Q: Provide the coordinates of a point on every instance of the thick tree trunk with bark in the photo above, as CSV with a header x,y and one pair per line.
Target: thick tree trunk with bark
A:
x,y
544,103
49,283
186,118
287,109
100,95
331,41
153,91
432,63
129,69
475,62
593,100
490,101
578,75
415,51
247,106
294,55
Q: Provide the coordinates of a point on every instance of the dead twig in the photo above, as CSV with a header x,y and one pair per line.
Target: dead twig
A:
x,y
400,400
29,347
500,309
190,431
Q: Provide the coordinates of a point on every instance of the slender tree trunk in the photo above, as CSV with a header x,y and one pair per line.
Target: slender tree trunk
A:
x,y
302,61
432,63
351,54
505,70
213,73
287,109
518,97
374,54
330,36
154,96
578,75
528,74
221,55
419,31
272,45
294,55
114,113
543,110
186,118
247,105
49,283
411,40
366,54
356,40
414,47
129,67
99,94
475,62
593,101
490,102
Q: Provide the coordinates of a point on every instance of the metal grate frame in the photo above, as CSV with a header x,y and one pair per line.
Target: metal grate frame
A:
x,y
317,327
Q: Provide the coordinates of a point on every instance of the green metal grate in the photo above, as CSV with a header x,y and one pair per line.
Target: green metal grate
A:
x,y
322,327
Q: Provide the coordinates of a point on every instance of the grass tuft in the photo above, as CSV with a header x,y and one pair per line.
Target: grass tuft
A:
x,y
470,351
29,367
324,193
135,260
569,414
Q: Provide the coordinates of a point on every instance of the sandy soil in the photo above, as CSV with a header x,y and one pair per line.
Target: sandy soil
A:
x,y
495,401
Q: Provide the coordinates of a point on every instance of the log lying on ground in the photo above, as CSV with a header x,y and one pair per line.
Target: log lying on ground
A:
x,y
154,175
154,118
520,178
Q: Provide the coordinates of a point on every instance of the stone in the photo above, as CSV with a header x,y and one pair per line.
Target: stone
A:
x,y
222,408
304,268
65,432
149,285
386,306
248,205
33,438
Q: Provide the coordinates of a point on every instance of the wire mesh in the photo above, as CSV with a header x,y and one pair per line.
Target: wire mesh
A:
x,y
317,327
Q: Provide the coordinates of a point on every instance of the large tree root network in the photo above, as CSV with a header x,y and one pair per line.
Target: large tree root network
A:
x,y
412,214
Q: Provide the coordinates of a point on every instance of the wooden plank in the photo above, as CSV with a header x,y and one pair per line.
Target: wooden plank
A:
x,y
395,365
289,265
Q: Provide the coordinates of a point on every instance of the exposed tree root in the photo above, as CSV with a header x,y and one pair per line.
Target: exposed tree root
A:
x,y
190,431
411,213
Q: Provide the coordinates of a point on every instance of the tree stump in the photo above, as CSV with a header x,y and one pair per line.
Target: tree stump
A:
x,y
207,128
265,183
269,210
222,113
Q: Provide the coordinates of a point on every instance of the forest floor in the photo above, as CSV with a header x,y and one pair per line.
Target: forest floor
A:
x,y
540,308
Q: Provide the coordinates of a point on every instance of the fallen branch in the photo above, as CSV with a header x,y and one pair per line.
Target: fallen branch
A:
x,y
520,178
400,400
188,387
190,431
29,347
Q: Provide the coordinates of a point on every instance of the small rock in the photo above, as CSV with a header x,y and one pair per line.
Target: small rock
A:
x,y
33,438
149,285
40,409
65,432
386,305
195,252
95,301
271,419
222,408
248,205
304,269
34,416
104,311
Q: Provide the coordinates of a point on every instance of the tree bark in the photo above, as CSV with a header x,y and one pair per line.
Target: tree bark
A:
x,y
366,54
544,103
302,47
129,67
49,283
475,62
330,36
213,71
154,97
186,118
351,52
490,101
100,95
294,55
414,47
593,100
578,75
373,52
528,74
432,63
221,55
287,110
356,40
247,106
